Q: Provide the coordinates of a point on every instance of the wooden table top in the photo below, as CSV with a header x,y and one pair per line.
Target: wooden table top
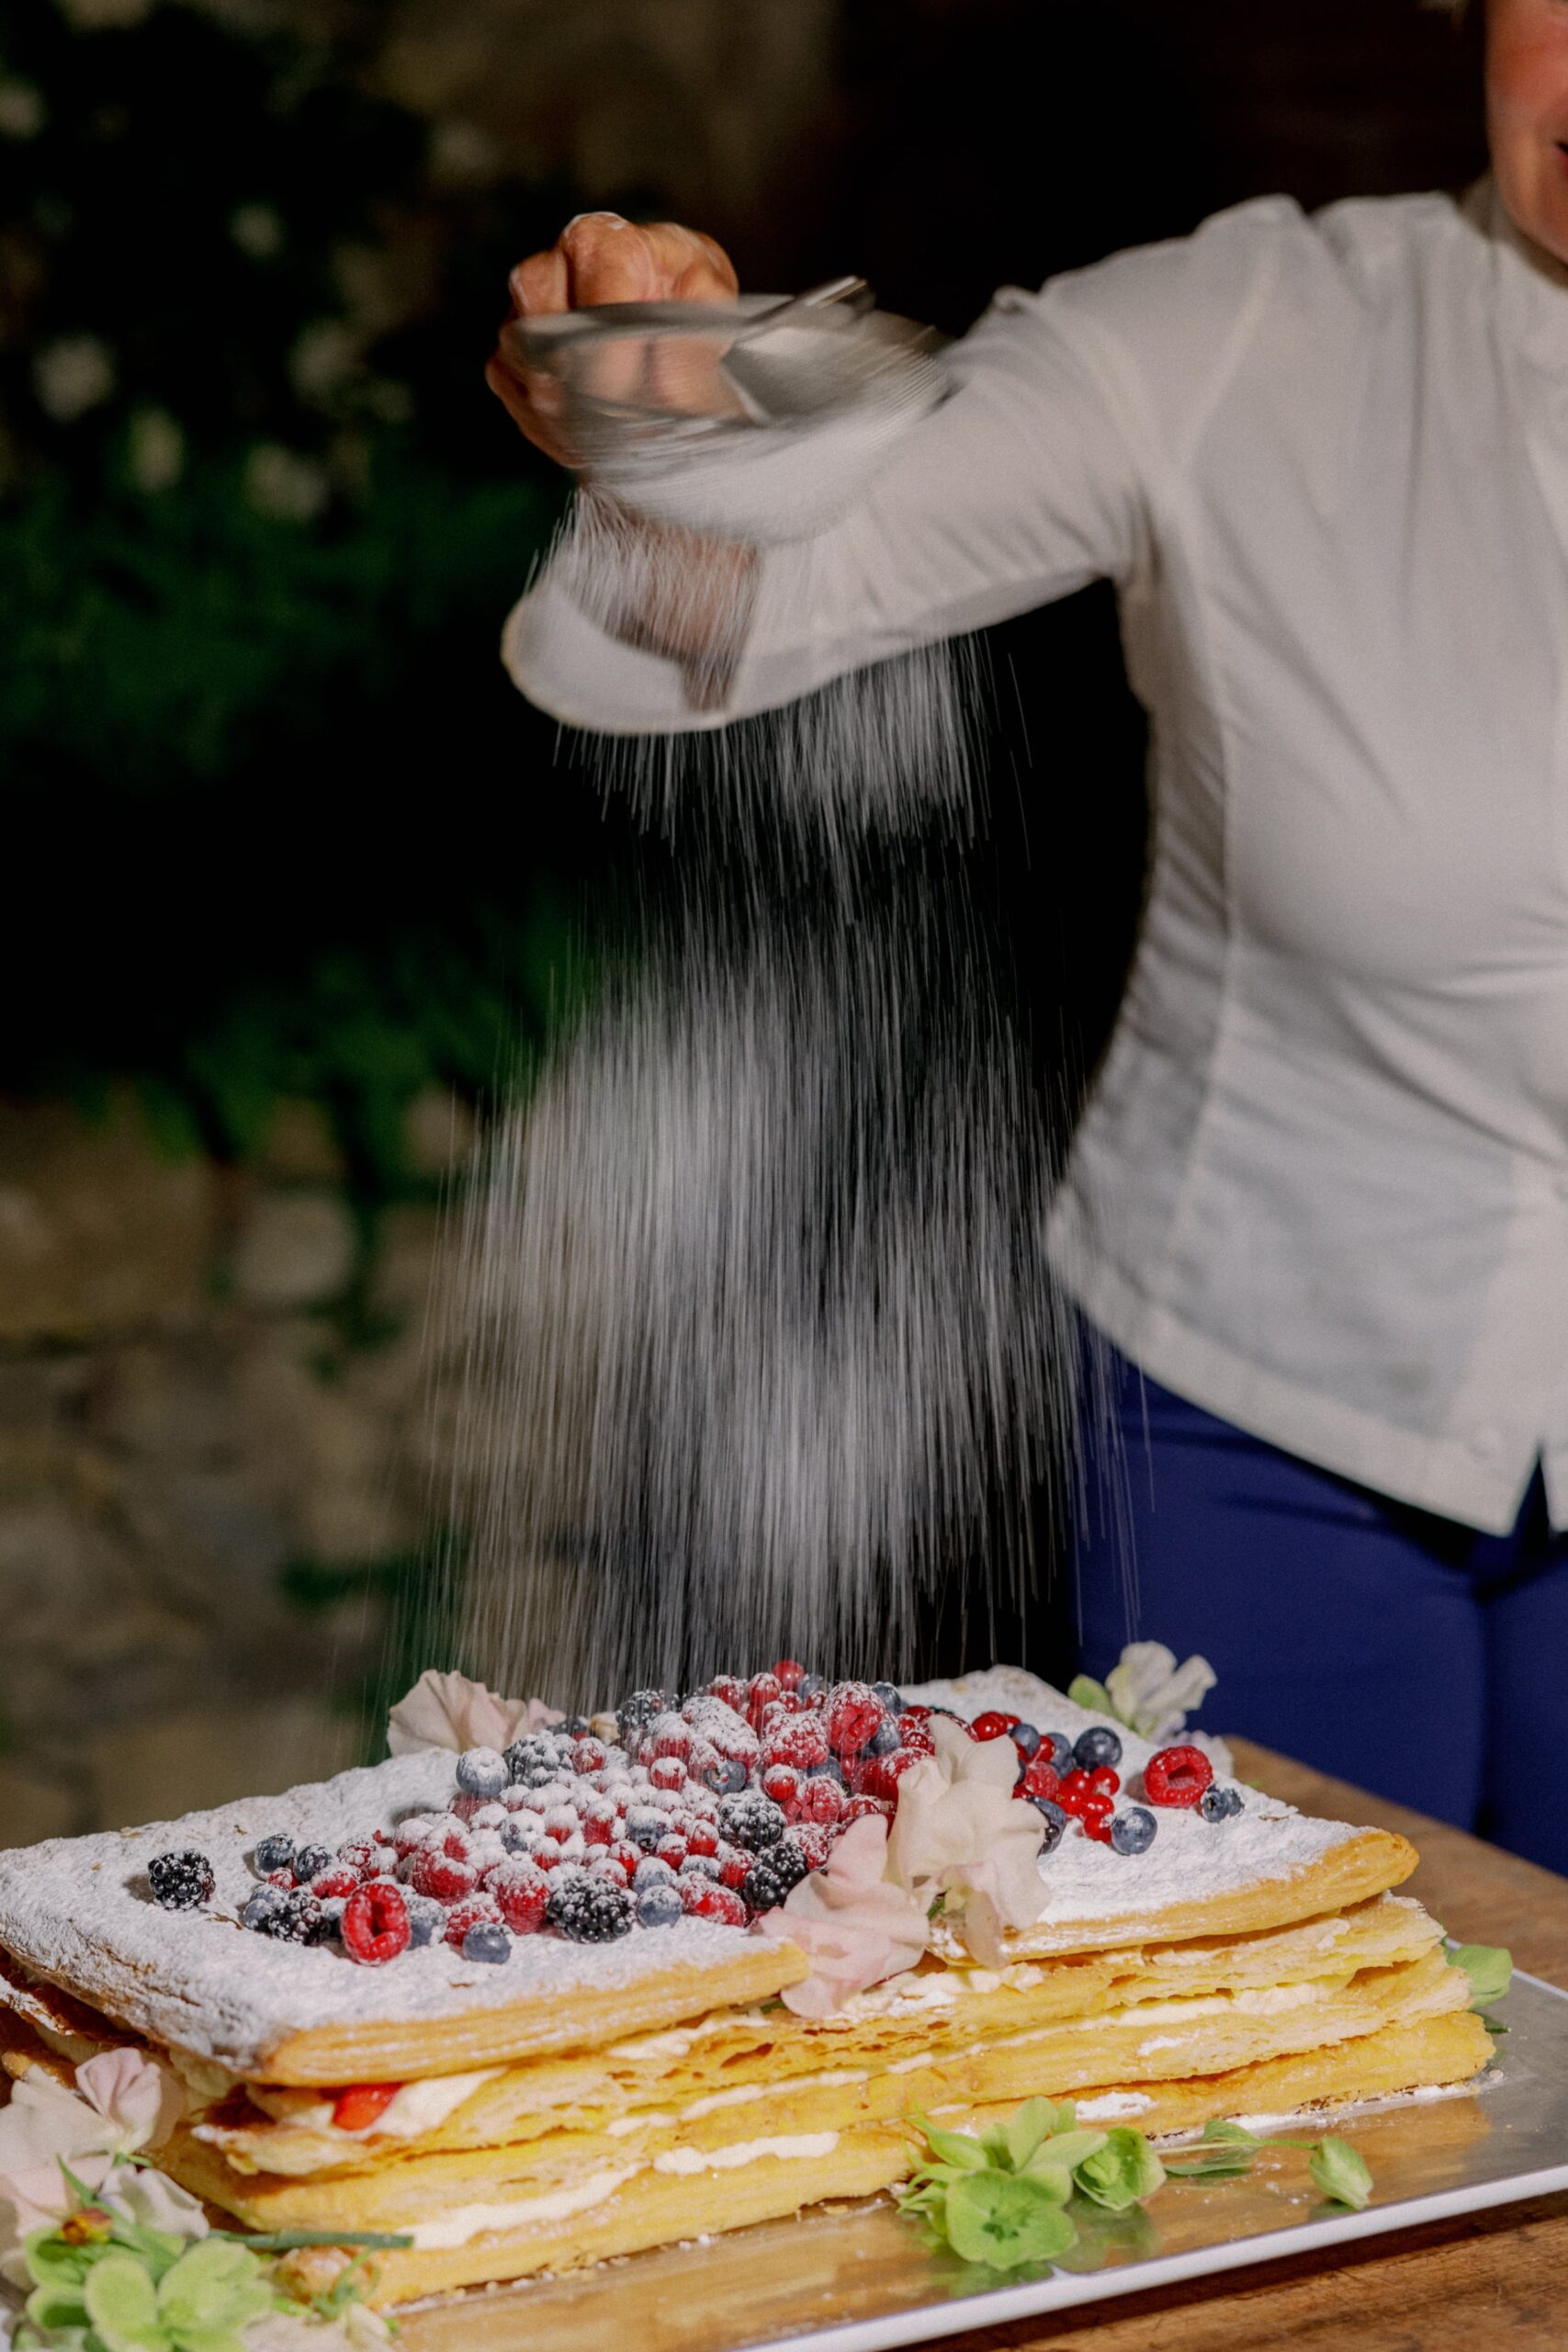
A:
x,y
1497,2280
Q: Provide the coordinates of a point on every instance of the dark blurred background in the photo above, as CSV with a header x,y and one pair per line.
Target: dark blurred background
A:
x,y
291,873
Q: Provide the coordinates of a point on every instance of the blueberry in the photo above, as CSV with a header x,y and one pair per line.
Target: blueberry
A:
x,y
700,1866
516,1835
645,1826
1061,1757
1219,1805
890,1696
1096,1746
1133,1832
482,1773
832,1770
1056,1821
884,1739
809,1687
1026,1739
310,1861
652,1870
274,1853
659,1906
725,1776
427,1919
487,1940
182,1881
262,1907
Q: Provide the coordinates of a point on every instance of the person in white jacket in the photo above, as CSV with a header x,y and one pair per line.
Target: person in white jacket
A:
x,y
1318,1204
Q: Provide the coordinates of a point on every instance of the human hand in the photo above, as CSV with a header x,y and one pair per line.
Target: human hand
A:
x,y
598,258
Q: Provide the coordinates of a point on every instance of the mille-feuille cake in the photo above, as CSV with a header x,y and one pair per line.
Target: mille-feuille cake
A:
x,y
593,2050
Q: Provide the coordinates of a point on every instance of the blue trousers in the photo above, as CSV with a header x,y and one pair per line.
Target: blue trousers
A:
x,y
1397,1649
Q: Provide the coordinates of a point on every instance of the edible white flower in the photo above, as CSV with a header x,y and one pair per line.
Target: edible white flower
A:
x,y
123,2102
1154,1695
961,1833
450,1710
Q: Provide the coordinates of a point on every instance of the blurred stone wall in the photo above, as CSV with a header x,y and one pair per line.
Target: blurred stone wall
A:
x,y
193,1426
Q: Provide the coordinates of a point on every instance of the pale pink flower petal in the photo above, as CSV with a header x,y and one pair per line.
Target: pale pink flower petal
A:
x,y
854,1924
139,2100
450,1710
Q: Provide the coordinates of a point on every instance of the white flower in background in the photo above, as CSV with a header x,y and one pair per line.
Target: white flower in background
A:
x,y
155,452
449,1711
104,16
960,1832
123,2102
257,230
71,376
22,110
282,484
1151,1694
463,155
324,359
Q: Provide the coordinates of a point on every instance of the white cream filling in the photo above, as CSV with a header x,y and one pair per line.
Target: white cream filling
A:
x,y
742,2094
468,2222
802,2148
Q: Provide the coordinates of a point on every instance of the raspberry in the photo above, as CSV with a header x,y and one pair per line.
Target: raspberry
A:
x,y
280,1878
881,1776
852,1716
442,1875
521,1889
822,1799
475,1910
588,1755
1177,1776
734,1862
860,1808
789,1674
720,1903
914,1731
702,1837
801,1741
375,1925
599,1822
994,1726
667,1735
673,1850
545,1855
764,1688
338,1880
587,1908
1039,1779
730,1689
666,1772
410,1834
448,1834
183,1881
816,1841
773,1875
626,1855
781,1784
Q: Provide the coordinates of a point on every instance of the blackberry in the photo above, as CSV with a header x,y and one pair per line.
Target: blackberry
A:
x,y
428,1918
634,1715
752,1820
531,1760
310,1861
588,1907
1217,1803
487,1940
274,1853
884,1739
262,1909
482,1773
1094,1746
890,1695
1056,1821
181,1881
659,1906
1133,1832
773,1875
298,1919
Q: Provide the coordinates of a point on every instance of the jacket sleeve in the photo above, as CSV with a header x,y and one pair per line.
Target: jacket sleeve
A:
x,y
1040,473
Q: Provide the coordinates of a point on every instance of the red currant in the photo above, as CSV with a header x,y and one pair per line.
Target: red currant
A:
x,y
790,1674
993,1726
1104,1776
481,1909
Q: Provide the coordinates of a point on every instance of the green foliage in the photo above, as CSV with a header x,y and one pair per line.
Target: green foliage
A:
x,y
1489,1968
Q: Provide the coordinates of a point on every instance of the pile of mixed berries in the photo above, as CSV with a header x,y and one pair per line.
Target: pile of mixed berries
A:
x,y
713,1806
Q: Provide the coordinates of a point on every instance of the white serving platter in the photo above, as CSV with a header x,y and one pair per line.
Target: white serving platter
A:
x,y
856,2279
